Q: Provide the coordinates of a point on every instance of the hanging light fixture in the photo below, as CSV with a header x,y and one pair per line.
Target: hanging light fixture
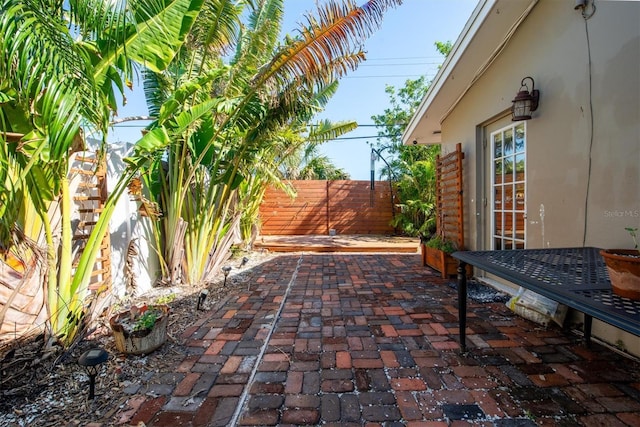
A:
x,y
525,102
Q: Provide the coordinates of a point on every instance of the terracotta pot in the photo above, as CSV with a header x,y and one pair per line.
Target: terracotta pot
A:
x,y
623,266
141,341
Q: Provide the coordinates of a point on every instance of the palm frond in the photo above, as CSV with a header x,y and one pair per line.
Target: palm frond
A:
x,y
324,93
256,42
43,62
105,21
338,31
265,24
216,29
156,87
326,130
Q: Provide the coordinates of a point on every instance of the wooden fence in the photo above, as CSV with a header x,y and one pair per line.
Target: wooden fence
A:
x,y
348,207
450,213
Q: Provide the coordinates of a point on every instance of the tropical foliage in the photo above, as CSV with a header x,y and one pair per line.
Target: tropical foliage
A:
x,y
61,66
232,121
412,167
307,163
226,96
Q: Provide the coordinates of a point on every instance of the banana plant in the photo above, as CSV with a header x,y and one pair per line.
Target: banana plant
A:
x,y
204,180
61,65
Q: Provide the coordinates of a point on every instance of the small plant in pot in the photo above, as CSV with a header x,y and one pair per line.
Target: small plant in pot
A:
x,y
623,266
140,330
437,255
444,245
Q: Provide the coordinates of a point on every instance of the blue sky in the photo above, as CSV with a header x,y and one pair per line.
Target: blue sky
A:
x,y
403,48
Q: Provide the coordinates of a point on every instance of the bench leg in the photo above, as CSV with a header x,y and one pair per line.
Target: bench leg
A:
x,y
462,303
588,321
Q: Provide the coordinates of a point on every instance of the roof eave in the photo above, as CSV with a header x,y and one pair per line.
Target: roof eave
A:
x,y
485,29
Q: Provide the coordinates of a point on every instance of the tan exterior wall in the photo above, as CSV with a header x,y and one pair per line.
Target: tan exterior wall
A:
x,y
551,46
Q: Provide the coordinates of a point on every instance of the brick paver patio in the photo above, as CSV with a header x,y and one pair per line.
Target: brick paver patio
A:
x,y
354,339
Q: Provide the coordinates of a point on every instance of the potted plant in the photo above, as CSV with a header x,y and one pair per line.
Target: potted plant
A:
x,y
623,266
140,330
437,255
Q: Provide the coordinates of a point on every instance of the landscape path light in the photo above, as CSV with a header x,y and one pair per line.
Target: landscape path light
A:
x,y
91,360
226,270
201,298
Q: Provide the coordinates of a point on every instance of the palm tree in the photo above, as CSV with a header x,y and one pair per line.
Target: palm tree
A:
x,y
217,131
64,62
303,160
321,167
290,149
61,65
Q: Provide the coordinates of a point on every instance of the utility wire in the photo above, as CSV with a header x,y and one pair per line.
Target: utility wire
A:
x,y
122,125
398,65
388,76
404,58
365,137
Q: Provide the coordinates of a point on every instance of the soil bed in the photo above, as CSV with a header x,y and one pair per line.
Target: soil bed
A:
x,y
41,387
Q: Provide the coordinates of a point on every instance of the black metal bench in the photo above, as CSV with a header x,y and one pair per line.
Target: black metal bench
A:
x,y
576,277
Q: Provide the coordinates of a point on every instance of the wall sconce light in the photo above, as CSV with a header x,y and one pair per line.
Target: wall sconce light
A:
x,y
525,102
90,360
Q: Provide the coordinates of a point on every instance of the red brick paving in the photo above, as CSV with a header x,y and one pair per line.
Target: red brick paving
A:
x,y
371,340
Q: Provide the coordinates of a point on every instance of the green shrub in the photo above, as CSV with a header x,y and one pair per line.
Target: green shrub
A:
x,y
444,245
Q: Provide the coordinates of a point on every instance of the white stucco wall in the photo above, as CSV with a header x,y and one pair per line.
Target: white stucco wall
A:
x,y
124,226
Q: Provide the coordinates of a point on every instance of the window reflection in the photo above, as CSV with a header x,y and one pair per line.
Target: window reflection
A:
x,y
497,146
519,138
508,197
519,165
519,196
508,169
519,226
508,142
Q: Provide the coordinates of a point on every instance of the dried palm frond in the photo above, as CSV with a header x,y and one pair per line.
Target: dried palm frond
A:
x,y
129,273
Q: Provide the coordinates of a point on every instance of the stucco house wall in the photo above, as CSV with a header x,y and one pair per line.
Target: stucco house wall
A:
x,y
559,134
124,226
583,142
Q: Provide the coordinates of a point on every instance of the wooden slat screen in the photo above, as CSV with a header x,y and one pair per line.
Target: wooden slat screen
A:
x,y
450,215
349,207
90,197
